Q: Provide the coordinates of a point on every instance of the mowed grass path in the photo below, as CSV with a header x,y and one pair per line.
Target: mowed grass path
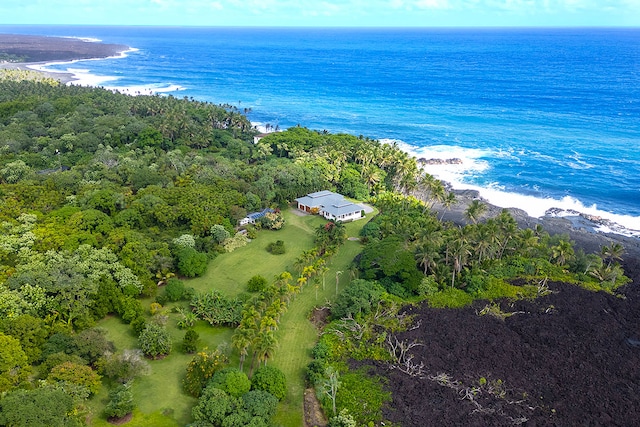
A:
x,y
159,395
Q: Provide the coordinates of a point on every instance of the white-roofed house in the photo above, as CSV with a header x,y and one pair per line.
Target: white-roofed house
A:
x,y
330,205
252,217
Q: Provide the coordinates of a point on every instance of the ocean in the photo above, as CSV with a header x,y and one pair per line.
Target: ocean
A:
x,y
541,118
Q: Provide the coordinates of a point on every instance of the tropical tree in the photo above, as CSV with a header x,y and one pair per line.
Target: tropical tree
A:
x,y
270,379
14,366
265,345
121,402
155,340
562,252
475,210
241,341
458,252
329,385
612,253
40,407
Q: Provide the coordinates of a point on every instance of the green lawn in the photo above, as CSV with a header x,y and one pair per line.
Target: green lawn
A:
x,y
159,395
229,273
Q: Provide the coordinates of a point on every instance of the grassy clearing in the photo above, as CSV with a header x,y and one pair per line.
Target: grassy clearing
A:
x,y
230,272
161,401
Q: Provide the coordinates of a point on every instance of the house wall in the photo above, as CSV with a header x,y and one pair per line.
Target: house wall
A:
x,y
352,216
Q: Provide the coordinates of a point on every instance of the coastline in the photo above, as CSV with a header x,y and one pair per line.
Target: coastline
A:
x,y
586,238
37,52
452,165
587,234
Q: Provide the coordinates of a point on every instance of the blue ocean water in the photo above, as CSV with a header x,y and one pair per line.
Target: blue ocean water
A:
x,y
540,117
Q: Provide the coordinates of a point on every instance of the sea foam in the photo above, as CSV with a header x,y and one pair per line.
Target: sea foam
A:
x,y
475,162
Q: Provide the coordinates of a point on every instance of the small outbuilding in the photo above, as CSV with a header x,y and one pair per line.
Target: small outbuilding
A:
x,y
330,205
254,216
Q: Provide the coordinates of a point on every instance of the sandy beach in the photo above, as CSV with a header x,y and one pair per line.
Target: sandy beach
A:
x,y
29,52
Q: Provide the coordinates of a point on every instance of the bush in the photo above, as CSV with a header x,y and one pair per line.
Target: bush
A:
x,y
320,350
201,369
219,233
272,221
450,298
315,371
359,297
155,341
72,373
124,367
363,396
257,284
190,341
232,381
120,402
213,407
343,419
191,263
174,289
276,248
235,242
271,380
260,403
138,324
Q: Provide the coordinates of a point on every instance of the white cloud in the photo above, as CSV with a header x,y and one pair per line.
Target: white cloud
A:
x,y
432,4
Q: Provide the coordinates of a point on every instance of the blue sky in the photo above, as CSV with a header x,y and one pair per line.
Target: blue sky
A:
x,y
352,13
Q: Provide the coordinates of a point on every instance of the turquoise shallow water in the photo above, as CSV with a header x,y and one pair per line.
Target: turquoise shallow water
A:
x,y
541,117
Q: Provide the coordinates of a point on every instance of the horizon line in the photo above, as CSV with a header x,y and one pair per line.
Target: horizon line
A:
x,y
373,27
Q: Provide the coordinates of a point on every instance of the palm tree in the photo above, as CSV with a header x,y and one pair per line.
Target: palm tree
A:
x,y
241,340
507,230
448,201
612,253
458,251
562,252
427,256
475,210
265,345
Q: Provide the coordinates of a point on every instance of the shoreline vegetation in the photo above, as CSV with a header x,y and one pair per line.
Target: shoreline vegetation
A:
x,y
109,197
33,52
23,52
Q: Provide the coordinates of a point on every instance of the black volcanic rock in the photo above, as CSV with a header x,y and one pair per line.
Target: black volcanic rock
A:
x,y
43,49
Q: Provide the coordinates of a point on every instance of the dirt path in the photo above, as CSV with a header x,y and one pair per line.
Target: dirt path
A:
x,y
313,415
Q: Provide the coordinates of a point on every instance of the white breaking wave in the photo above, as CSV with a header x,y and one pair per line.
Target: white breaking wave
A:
x,y
84,39
84,77
475,162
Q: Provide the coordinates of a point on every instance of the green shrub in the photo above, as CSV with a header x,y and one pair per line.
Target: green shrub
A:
x,y
362,396
191,263
190,341
276,248
359,297
120,402
257,284
260,403
231,380
154,340
450,298
174,289
271,380
320,350
201,368
315,371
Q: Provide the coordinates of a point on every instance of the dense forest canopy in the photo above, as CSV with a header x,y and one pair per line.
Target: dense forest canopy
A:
x,y
107,196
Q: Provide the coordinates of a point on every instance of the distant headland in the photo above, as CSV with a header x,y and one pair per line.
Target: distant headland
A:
x,y
20,49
